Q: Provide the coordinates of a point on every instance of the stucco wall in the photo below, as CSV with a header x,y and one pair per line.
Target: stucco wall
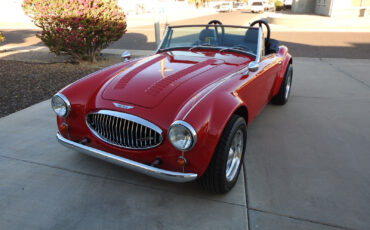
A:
x,y
303,6
342,4
323,7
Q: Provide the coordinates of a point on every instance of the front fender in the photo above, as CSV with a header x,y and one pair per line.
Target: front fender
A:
x,y
209,118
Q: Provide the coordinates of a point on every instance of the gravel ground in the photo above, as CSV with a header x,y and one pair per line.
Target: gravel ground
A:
x,y
24,84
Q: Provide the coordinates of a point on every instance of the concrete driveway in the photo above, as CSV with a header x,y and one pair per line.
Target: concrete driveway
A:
x,y
307,167
308,162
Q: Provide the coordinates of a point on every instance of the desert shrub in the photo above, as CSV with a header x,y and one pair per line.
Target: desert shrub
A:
x,y
80,28
279,5
2,38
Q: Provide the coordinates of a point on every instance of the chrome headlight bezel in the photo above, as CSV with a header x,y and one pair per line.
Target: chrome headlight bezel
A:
x,y
185,127
59,100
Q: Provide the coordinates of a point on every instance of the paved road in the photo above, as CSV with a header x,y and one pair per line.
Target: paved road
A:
x,y
354,45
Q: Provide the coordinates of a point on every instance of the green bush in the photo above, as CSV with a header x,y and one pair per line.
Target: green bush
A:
x,y
279,5
2,38
80,28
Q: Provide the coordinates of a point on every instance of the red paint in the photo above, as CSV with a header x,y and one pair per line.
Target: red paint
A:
x,y
180,85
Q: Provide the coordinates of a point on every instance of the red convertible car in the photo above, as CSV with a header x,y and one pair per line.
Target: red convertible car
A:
x,y
182,113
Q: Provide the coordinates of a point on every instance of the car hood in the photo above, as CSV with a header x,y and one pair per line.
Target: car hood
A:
x,y
150,80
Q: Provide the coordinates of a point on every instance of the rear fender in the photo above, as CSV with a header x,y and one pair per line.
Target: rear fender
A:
x,y
286,59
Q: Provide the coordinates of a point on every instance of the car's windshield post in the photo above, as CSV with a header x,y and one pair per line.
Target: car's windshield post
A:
x,y
163,38
259,45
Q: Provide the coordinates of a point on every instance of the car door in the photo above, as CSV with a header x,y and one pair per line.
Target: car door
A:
x,y
256,85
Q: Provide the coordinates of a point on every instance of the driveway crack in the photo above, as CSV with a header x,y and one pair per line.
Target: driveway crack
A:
x,y
345,73
301,219
246,196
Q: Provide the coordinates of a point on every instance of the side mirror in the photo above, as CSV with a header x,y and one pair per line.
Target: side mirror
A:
x,y
126,56
253,66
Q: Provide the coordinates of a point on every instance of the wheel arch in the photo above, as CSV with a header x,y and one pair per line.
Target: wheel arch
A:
x,y
209,118
242,111
288,60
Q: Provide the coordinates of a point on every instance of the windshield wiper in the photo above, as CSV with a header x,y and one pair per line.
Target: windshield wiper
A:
x,y
238,48
204,46
173,48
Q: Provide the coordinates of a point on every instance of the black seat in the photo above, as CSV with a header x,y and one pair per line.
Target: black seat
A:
x,y
272,46
251,39
207,36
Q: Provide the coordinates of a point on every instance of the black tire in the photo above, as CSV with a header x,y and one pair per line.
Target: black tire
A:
x,y
216,179
282,96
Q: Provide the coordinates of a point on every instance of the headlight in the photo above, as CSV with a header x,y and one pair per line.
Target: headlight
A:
x,y
60,105
182,135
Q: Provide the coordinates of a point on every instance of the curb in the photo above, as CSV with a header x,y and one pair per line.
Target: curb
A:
x,y
315,23
43,49
282,28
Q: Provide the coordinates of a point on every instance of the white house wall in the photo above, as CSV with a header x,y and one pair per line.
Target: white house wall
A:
x,y
303,6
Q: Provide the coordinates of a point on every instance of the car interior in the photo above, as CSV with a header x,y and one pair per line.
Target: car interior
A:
x,y
249,41
219,36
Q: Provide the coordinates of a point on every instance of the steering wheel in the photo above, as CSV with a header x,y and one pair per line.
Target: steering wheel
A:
x,y
217,22
260,22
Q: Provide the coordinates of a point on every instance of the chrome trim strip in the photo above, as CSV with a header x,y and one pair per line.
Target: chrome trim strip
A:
x,y
243,71
127,163
212,25
216,84
131,120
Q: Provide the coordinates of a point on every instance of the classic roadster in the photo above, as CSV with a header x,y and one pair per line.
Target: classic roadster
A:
x,y
182,113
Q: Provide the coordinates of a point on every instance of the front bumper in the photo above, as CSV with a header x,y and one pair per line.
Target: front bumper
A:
x,y
127,163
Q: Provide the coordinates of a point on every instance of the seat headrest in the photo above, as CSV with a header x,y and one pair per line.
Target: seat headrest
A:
x,y
251,36
206,33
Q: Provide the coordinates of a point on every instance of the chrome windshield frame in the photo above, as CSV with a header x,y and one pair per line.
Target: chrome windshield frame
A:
x,y
259,45
258,55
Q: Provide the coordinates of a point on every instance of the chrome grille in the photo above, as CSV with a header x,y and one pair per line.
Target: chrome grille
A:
x,y
124,130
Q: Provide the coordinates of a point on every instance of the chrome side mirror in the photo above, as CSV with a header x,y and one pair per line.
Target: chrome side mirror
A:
x,y
253,66
126,56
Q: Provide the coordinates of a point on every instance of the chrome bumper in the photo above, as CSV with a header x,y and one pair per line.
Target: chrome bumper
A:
x,y
133,165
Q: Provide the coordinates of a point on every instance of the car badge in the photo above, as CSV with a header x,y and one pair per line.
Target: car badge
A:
x,y
123,106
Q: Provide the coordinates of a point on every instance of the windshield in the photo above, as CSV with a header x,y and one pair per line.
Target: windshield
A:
x,y
242,39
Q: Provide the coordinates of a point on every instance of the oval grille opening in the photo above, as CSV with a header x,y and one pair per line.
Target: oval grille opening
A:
x,y
124,130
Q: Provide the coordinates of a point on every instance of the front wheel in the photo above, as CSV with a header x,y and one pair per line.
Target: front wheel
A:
x,y
282,96
224,168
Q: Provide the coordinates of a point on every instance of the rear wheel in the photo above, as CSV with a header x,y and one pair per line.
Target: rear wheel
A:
x,y
224,168
283,95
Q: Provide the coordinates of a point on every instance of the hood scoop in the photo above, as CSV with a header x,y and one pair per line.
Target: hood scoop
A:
x,y
177,78
148,82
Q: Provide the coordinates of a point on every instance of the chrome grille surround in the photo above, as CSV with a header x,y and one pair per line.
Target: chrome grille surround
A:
x,y
124,130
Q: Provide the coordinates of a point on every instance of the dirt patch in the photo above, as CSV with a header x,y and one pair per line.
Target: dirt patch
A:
x,y
24,84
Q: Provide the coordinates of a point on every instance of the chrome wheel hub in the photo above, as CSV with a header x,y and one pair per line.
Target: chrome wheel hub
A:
x,y
235,155
287,87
